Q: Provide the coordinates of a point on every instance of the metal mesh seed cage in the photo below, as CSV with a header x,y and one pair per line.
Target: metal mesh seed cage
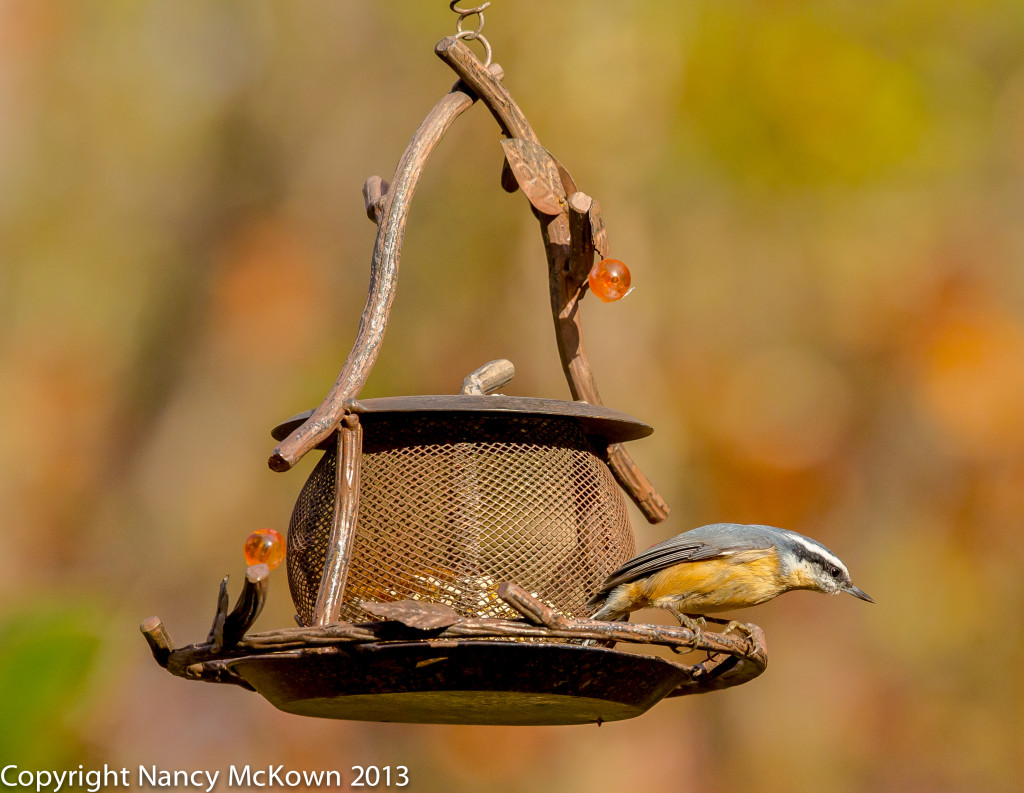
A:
x,y
452,504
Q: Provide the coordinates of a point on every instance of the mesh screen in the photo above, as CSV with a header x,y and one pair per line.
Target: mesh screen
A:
x,y
452,505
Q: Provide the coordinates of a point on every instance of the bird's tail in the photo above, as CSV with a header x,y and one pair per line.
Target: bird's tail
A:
x,y
598,606
605,610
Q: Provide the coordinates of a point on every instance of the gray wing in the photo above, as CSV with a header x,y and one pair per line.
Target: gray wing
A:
x,y
672,552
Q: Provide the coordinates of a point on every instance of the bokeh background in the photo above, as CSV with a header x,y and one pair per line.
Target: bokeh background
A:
x,y
821,204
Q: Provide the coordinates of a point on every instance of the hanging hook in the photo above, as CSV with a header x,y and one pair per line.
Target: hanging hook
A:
x,y
465,12
475,34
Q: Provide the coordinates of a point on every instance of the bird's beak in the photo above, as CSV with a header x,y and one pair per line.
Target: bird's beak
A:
x,y
858,593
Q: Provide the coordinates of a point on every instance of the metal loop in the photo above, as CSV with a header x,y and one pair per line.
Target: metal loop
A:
x,y
475,34
466,12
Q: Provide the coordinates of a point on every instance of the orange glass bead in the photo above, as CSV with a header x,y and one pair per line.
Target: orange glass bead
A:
x,y
609,280
264,546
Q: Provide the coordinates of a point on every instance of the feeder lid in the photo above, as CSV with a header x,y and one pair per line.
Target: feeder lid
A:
x,y
596,420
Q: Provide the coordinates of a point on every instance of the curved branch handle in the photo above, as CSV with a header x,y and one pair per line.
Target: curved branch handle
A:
x,y
570,256
389,206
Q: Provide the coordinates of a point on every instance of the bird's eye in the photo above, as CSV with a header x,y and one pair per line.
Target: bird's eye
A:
x,y
834,572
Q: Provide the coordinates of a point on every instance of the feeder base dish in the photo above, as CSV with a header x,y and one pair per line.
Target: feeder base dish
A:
x,y
470,682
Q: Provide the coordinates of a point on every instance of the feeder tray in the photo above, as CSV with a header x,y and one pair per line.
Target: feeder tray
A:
x,y
468,683
423,662
441,553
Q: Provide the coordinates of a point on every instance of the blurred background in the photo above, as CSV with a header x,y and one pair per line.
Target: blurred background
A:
x,y
821,205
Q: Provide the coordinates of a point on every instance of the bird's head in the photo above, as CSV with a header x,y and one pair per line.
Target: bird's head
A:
x,y
810,565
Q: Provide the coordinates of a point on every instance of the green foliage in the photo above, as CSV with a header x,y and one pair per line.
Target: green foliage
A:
x,y
786,98
46,658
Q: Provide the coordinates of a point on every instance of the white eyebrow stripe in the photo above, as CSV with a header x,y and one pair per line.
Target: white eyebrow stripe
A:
x,y
820,550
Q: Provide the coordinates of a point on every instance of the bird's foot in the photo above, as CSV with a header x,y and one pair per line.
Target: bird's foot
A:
x,y
742,628
696,624
738,627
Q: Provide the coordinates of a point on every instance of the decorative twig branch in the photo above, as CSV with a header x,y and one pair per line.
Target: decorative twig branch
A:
x,y
229,628
158,638
336,633
216,635
530,607
249,605
581,246
488,378
731,660
569,251
374,192
391,211
343,523
484,85
207,661
418,614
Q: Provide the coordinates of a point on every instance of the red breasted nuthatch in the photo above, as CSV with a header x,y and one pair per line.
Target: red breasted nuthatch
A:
x,y
721,567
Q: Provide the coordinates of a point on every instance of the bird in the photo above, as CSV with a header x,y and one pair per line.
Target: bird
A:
x,y
721,567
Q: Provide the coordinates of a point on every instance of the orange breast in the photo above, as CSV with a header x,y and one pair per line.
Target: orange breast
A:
x,y
733,582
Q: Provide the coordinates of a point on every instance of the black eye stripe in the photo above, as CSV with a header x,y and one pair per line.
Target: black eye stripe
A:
x,y
827,565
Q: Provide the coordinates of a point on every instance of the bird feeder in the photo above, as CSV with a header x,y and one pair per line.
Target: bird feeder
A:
x,y
442,550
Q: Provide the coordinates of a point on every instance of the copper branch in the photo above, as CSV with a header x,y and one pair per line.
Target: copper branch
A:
x,y
216,635
534,610
571,238
391,211
227,628
158,638
248,606
731,660
343,525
